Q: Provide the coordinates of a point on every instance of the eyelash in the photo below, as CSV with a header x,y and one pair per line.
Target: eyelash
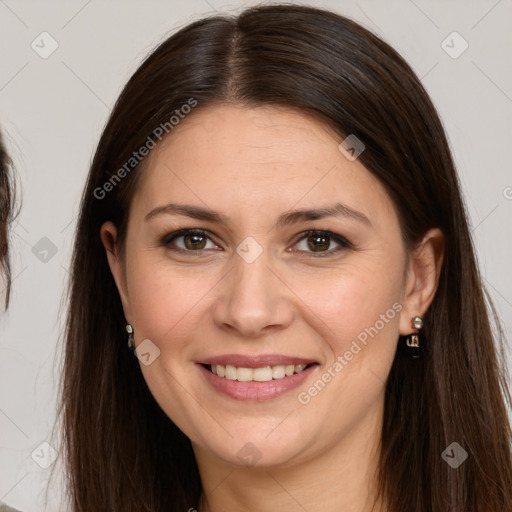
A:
x,y
342,242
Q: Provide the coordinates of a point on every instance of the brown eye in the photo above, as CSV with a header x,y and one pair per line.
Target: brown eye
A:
x,y
194,241
323,243
188,240
318,243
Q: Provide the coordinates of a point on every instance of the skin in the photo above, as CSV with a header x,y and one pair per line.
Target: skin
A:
x,y
252,165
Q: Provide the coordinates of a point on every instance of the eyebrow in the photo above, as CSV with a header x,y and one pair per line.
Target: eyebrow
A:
x,y
286,219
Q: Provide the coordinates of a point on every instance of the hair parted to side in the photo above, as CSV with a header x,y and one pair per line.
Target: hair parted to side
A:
x,y
7,215
122,452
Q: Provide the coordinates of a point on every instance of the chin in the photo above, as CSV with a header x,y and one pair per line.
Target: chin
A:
x,y
258,447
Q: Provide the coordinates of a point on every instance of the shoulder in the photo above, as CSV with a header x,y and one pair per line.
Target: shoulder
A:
x,y
6,508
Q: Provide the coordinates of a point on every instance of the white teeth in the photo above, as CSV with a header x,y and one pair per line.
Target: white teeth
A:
x,y
244,374
278,371
263,374
231,372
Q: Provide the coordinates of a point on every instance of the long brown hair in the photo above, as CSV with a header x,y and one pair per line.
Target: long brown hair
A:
x,y
7,215
122,451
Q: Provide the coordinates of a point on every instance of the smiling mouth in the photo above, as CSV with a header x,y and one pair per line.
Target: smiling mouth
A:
x,y
261,374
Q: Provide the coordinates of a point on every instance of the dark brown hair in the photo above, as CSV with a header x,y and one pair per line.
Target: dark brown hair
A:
x,y
7,215
123,453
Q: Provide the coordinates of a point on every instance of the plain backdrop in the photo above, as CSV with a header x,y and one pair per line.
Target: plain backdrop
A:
x,y
52,111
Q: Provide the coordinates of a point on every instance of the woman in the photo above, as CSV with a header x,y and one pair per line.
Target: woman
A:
x,y
273,221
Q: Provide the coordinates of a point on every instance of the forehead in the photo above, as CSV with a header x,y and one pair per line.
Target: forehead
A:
x,y
264,158
247,140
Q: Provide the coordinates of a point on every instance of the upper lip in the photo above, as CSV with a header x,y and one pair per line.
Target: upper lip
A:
x,y
258,361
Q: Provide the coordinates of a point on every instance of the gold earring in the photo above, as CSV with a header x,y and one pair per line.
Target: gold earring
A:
x,y
413,340
131,341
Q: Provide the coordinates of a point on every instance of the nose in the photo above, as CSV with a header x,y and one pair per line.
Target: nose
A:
x,y
253,300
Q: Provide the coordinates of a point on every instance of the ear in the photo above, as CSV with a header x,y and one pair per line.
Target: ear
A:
x,y
422,278
108,233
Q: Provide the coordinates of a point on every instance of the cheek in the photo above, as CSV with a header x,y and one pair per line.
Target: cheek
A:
x,y
169,307
352,303
164,300
357,314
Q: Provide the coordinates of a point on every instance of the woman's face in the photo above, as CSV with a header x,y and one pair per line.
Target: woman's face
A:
x,y
252,289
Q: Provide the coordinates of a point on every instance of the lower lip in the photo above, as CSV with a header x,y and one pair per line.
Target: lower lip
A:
x,y
256,390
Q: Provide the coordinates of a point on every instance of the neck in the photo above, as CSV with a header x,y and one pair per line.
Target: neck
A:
x,y
341,477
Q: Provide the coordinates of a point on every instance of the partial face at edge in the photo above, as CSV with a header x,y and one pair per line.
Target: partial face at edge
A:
x,y
309,296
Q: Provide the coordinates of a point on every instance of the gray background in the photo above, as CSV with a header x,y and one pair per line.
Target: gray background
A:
x,y
52,112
